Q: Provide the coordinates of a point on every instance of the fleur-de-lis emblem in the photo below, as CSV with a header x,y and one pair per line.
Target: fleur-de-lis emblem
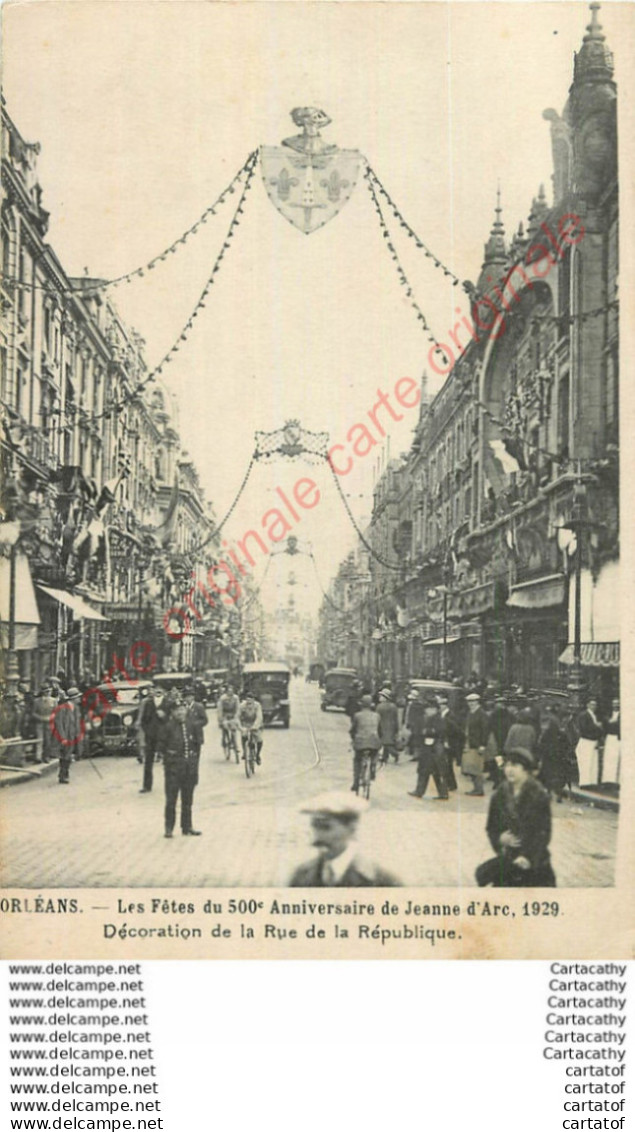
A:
x,y
284,183
307,179
334,185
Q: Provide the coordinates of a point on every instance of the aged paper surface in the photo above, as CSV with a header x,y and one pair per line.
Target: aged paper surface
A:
x,y
317,306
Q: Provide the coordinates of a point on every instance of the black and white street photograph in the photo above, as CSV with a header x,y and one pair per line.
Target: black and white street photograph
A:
x,y
310,445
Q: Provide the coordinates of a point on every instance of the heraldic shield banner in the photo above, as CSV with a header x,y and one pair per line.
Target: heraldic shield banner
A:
x,y
309,189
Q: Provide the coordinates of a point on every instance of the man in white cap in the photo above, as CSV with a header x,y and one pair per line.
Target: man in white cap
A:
x,y
334,821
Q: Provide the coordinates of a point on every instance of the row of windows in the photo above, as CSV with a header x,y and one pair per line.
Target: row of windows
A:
x,y
452,450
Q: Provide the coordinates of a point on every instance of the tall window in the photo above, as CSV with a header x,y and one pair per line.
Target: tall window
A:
x,y
611,394
23,292
6,252
612,277
563,416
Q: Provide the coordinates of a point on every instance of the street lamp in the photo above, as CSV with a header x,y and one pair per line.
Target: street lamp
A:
x,y
577,524
445,592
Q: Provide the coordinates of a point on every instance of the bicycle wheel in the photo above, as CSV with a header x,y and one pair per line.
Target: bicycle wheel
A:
x,y
234,743
364,781
252,754
247,759
226,743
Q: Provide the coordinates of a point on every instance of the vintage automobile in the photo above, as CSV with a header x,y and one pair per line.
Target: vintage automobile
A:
x,y
315,674
211,682
269,682
456,696
338,684
175,681
114,710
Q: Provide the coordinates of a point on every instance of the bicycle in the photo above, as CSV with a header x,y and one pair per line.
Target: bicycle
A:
x,y
365,776
229,742
250,752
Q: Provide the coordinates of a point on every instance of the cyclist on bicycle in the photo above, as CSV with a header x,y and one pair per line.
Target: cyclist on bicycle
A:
x,y
251,720
365,735
228,706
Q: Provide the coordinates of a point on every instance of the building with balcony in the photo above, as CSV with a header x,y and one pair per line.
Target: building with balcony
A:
x,y
109,507
513,471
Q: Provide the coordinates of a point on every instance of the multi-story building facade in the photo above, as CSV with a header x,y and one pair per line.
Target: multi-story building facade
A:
x,y
343,636
109,508
511,483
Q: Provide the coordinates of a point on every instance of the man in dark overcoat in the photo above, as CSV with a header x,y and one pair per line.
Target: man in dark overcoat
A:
x,y
430,750
181,751
453,739
553,754
153,716
196,717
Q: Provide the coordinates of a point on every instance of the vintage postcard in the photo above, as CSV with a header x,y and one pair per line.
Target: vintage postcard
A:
x,y
315,548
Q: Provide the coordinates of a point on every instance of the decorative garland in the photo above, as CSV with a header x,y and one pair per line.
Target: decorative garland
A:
x,y
116,406
403,280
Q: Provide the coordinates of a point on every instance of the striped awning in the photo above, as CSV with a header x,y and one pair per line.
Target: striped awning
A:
x,y
594,654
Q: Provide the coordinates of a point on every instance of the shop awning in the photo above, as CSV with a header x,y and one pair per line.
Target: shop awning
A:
x,y
440,641
27,615
540,594
79,607
594,654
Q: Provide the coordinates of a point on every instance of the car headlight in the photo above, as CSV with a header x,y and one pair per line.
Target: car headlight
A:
x,y
127,720
96,722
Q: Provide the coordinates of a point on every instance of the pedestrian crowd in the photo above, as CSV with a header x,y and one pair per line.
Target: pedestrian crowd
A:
x,y
528,749
470,727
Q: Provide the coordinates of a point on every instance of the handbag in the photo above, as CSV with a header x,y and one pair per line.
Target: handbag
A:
x,y
472,761
403,738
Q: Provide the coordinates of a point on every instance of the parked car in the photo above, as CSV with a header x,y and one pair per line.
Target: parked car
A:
x,y
269,682
211,683
338,683
113,728
175,681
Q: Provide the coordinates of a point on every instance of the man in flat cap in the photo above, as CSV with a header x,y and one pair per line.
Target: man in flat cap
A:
x,y
476,734
364,733
181,754
519,829
334,822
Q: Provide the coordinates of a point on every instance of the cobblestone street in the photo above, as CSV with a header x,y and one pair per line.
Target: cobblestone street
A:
x,y
100,831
